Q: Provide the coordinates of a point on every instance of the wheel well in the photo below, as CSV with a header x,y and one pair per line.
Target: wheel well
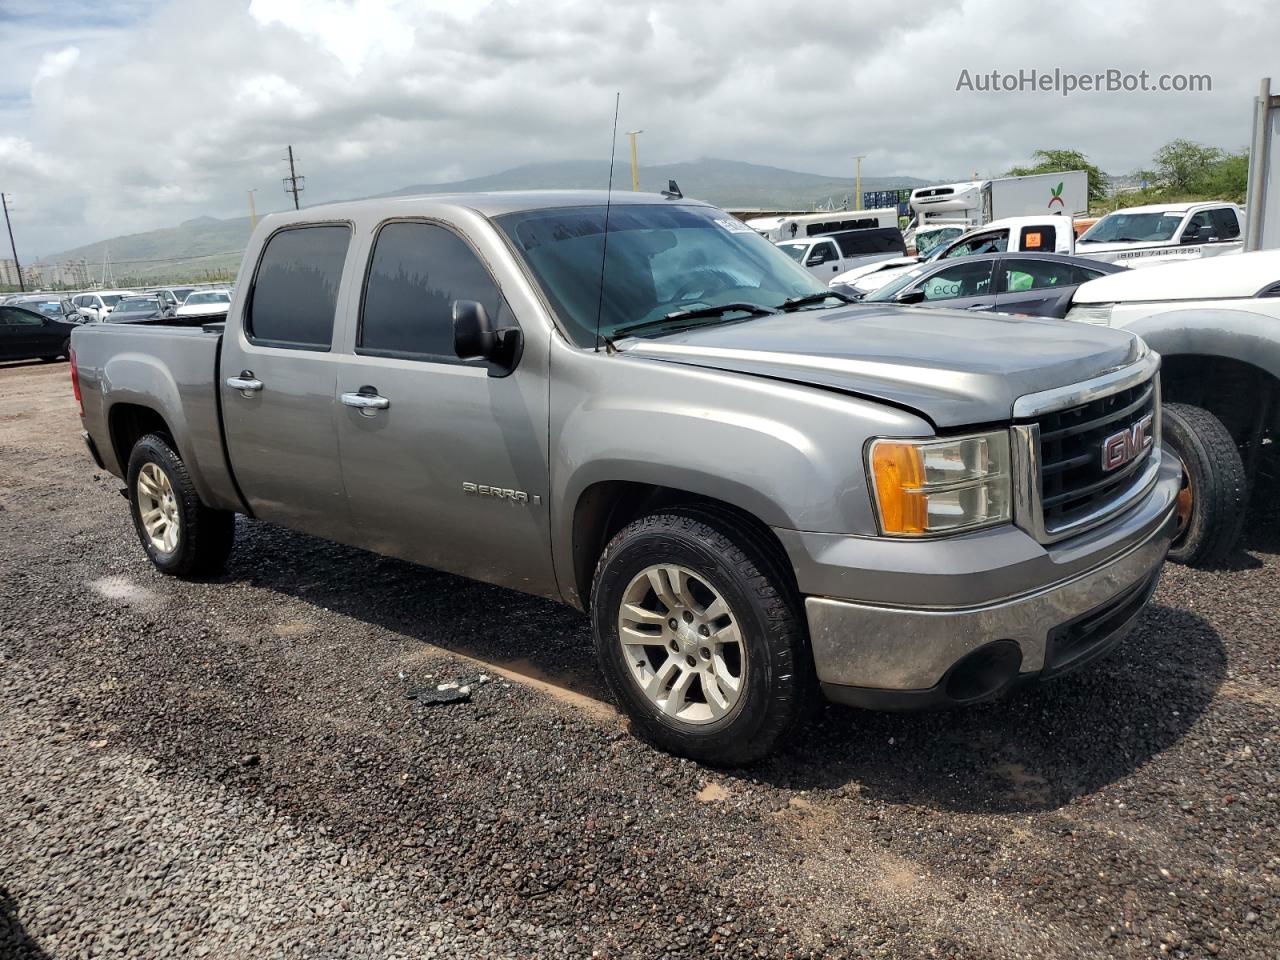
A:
x,y
605,508
1235,392
129,423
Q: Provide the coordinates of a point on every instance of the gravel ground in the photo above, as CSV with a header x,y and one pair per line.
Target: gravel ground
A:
x,y
233,769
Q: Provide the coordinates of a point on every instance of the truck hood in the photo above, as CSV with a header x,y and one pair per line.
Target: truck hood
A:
x,y
954,367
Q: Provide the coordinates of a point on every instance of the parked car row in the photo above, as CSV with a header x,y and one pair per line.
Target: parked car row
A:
x,y
38,326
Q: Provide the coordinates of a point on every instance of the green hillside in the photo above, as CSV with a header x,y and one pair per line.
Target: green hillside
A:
x,y
208,248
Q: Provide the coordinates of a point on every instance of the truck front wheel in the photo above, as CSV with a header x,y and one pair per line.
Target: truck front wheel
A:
x,y
1212,502
700,636
180,534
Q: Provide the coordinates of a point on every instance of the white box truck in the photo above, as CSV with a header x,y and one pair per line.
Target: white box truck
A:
x,y
973,203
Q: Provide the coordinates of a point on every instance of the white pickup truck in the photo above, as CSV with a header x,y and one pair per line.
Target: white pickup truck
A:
x,y
1164,233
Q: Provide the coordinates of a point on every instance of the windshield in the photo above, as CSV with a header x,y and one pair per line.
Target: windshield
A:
x,y
50,308
137,306
111,299
795,251
207,298
661,259
926,243
1122,227
891,289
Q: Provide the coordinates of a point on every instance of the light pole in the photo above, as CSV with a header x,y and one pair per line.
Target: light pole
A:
x,y
13,246
253,212
635,166
857,184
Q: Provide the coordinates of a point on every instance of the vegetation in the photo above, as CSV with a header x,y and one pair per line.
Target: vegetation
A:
x,y
1062,161
1183,171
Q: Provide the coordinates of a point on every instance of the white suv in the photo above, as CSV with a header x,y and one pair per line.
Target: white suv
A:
x,y
97,306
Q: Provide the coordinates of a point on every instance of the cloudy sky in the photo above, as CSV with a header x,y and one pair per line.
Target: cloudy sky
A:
x,y
118,116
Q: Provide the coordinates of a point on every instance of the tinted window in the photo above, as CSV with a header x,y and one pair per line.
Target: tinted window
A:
x,y
963,280
1226,226
18,318
822,253
416,272
1084,274
295,293
862,242
1019,275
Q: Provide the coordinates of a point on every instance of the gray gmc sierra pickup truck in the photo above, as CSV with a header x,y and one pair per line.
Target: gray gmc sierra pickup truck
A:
x,y
759,492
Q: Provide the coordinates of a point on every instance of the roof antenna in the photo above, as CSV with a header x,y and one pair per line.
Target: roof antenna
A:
x,y
604,246
673,191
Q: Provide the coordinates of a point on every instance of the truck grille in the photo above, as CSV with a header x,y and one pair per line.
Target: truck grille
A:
x,y
1074,483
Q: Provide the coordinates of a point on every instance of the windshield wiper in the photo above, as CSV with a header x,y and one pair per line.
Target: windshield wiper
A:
x,y
751,309
795,303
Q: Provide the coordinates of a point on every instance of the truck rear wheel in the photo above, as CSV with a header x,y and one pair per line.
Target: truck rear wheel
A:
x,y
180,534
1212,502
701,638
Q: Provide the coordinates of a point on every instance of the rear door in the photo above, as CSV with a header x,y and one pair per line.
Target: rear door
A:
x,y
452,472
279,376
1038,288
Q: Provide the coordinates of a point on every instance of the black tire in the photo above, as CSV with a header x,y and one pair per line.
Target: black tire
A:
x,y
780,690
1215,488
205,536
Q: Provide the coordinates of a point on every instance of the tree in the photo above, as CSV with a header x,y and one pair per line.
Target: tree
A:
x,y
1061,161
1227,179
1181,164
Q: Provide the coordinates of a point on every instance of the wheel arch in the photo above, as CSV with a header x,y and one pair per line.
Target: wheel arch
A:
x,y
606,506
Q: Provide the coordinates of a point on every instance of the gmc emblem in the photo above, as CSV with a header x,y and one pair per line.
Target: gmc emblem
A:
x,y
1127,445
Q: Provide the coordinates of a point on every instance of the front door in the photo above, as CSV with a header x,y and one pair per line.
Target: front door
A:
x,y
279,377
962,286
1034,287
22,334
448,467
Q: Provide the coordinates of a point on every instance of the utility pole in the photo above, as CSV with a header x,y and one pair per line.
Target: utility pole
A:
x,y
4,200
293,182
857,184
253,213
635,166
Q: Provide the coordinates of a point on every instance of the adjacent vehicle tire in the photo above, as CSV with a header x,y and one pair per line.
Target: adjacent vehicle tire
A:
x,y
181,535
701,637
1214,495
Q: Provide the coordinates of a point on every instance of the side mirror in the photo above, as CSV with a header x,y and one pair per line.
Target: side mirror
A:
x,y
910,296
475,336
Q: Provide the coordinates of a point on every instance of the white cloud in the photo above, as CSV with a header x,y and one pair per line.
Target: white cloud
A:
x,y
55,64
174,109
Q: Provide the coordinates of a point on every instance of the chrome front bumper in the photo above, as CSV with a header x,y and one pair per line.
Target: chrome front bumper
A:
x,y
899,656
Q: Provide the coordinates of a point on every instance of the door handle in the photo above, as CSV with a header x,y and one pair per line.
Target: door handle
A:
x,y
365,401
245,383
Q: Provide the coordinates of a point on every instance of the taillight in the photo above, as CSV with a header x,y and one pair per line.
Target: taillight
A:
x,y
75,381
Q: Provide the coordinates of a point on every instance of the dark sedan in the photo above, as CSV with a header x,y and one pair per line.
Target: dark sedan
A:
x,y
133,309
1032,284
50,305
26,334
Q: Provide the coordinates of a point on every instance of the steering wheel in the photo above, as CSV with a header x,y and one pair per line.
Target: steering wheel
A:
x,y
702,283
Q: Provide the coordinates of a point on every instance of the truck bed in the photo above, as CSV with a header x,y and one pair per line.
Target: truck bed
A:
x,y
135,377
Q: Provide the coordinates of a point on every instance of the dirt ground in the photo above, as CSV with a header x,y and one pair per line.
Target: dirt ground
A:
x,y
233,769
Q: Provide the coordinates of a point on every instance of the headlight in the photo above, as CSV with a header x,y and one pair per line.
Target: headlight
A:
x,y
930,487
1098,313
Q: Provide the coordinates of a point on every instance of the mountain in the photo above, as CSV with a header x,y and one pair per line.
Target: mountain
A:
x,y
726,183
208,247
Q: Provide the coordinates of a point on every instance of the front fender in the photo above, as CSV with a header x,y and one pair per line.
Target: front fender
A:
x,y
789,455
1245,335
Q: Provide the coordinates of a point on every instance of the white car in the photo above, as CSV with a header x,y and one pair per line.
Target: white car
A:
x,y
205,303
1216,325
1249,282
99,304
1162,232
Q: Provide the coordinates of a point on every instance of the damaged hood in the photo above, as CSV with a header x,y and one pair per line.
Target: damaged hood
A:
x,y
957,368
